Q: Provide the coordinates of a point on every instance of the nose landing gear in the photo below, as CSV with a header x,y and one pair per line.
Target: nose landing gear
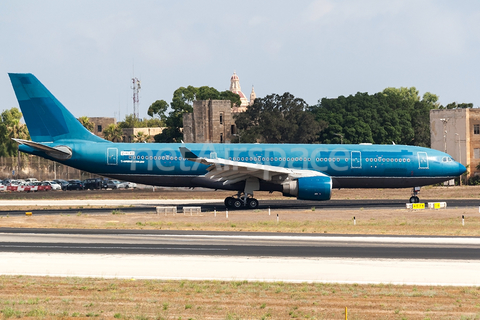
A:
x,y
414,198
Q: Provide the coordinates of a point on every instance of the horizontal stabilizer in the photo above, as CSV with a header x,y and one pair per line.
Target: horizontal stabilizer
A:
x,y
58,152
187,154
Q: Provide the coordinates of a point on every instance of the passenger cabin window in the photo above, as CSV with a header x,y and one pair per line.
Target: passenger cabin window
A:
x,y
476,129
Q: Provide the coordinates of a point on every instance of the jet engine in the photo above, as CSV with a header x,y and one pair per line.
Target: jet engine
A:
x,y
309,188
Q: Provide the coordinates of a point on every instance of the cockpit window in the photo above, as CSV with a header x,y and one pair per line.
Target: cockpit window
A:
x,y
444,159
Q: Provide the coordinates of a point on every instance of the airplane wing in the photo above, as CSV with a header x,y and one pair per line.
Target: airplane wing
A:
x,y
231,172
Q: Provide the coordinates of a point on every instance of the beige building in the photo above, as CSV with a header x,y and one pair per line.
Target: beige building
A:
x,y
129,134
210,122
457,132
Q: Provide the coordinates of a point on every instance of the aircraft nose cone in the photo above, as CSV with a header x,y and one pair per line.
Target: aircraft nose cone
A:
x,y
461,169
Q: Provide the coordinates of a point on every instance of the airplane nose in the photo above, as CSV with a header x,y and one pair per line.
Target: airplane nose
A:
x,y
461,169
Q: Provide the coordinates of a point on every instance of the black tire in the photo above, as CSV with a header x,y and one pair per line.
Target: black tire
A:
x,y
229,202
414,199
237,204
252,203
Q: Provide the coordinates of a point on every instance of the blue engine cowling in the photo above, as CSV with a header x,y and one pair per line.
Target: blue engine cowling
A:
x,y
309,188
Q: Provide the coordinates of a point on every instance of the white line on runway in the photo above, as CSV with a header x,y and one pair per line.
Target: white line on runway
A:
x,y
371,239
116,202
395,271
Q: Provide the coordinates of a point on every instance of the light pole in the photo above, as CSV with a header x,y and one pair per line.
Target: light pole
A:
x,y
459,156
445,133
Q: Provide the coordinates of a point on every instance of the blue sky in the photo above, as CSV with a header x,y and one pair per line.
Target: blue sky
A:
x,y
86,52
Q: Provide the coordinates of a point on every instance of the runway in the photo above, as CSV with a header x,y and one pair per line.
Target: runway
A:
x,y
246,256
148,205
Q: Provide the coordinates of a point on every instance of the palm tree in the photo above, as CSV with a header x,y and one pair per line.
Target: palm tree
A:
x,y
113,133
142,137
85,121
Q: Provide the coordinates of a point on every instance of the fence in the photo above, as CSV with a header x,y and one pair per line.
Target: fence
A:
x,y
29,166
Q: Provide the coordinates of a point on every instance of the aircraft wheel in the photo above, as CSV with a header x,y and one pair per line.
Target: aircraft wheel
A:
x,y
414,199
252,203
229,202
237,204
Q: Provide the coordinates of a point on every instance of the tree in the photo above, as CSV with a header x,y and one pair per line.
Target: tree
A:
x,y
182,103
455,105
395,115
278,119
113,132
10,127
85,121
141,137
159,109
131,121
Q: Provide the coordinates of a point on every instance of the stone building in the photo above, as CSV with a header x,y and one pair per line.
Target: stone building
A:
x,y
457,132
210,122
129,134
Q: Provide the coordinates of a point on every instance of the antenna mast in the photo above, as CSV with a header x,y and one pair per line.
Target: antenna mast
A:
x,y
136,95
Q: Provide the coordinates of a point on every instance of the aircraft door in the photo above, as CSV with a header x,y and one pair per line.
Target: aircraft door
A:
x,y
356,160
112,155
422,160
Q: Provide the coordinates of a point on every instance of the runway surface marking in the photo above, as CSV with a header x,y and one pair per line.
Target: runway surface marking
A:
x,y
24,237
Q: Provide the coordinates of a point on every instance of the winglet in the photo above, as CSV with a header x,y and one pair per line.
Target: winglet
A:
x,y
187,154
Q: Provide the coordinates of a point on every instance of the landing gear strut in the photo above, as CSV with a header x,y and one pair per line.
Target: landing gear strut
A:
x,y
241,200
245,198
414,198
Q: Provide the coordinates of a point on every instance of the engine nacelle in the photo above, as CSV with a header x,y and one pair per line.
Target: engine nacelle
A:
x,y
309,188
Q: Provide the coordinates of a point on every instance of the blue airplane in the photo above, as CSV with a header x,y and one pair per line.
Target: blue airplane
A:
x,y
307,172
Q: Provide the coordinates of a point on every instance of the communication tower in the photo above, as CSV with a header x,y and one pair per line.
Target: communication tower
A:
x,y
136,96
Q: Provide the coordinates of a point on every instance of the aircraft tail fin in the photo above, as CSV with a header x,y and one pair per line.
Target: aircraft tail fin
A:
x,y
46,118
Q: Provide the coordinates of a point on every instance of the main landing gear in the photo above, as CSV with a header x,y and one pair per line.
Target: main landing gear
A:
x,y
241,200
245,198
414,198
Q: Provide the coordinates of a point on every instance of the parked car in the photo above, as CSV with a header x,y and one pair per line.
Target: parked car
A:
x,y
127,185
29,186
42,186
112,184
75,185
63,184
93,184
53,185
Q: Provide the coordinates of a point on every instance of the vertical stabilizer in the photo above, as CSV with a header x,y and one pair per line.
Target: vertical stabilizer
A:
x,y
47,119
